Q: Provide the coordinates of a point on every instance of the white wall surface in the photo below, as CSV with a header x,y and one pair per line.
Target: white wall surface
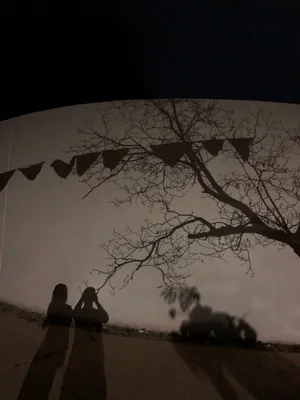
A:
x,y
51,235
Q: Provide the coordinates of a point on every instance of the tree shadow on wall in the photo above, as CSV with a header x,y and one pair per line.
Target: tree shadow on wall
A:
x,y
264,374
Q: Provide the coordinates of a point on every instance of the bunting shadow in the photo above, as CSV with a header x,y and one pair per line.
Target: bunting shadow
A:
x,y
169,153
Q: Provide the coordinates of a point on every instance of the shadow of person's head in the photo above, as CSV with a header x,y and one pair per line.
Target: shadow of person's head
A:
x,y
59,312
89,296
60,294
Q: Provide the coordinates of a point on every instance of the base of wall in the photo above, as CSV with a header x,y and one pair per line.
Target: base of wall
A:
x,y
127,331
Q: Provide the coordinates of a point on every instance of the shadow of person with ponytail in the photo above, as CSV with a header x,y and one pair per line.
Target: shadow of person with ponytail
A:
x,y
52,351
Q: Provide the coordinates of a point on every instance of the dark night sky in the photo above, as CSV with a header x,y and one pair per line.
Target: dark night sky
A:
x,y
246,49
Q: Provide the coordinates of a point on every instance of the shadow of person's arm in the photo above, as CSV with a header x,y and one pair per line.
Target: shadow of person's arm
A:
x,y
48,320
58,316
102,313
45,323
79,305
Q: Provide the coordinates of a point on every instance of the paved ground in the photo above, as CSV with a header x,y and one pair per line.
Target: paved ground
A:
x,y
146,369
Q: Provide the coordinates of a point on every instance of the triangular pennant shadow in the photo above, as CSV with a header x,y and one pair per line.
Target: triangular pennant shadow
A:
x,y
32,171
170,153
242,147
111,158
213,146
85,161
62,168
4,178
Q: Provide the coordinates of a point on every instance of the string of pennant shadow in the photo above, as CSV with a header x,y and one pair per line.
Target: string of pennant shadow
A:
x,y
169,153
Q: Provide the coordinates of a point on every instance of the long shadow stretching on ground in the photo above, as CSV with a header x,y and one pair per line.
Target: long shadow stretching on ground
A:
x,y
52,352
85,375
266,375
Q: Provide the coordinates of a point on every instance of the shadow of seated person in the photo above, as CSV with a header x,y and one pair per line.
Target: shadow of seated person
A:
x,y
218,328
264,375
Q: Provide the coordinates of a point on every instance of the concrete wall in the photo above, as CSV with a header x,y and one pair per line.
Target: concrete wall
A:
x,y
51,235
